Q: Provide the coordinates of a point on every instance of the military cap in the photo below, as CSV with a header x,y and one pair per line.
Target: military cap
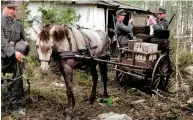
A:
x,y
9,3
120,12
161,10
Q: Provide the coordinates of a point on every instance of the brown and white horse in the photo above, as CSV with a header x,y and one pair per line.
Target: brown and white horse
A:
x,y
62,44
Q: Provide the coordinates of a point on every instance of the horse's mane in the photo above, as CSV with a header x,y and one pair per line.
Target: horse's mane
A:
x,y
45,33
60,32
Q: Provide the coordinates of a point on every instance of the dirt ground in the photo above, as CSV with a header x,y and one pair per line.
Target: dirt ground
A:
x,y
49,100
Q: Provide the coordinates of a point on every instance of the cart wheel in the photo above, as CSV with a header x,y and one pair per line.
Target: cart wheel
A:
x,y
160,75
121,77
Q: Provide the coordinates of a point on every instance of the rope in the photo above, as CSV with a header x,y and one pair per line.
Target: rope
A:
x,y
16,73
7,64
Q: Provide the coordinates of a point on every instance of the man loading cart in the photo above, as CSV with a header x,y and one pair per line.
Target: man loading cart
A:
x,y
122,31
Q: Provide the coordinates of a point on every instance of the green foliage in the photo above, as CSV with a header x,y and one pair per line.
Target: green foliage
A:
x,y
107,101
15,116
27,22
136,3
82,78
32,60
184,58
58,12
31,64
8,75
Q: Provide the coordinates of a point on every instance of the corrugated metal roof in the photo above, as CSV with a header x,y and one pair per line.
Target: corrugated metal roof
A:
x,y
95,2
124,5
110,3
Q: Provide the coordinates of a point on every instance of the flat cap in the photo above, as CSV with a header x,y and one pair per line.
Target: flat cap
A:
x,y
9,3
162,10
120,12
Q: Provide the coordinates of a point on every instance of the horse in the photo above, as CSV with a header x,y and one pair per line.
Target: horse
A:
x,y
64,44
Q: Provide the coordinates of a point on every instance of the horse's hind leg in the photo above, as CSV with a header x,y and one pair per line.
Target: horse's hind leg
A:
x,y
103,71
95,80
67,72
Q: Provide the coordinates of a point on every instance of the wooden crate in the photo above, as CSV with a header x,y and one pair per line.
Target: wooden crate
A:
x,y
132,42
147,48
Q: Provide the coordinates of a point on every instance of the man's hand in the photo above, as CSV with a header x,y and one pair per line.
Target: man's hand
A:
x,y
131,21
19,56
152,20
110,29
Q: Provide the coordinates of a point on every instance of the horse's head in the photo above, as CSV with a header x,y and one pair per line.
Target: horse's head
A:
x,y
51,36
44,46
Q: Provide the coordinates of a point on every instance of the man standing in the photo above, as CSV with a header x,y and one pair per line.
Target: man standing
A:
x,y
162,23
122,31
12,31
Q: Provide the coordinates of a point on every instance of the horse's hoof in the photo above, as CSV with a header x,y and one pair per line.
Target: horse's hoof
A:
x,y
70,118
106,96
88,102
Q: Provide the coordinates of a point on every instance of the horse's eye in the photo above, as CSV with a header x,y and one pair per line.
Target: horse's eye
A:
x,y
37,46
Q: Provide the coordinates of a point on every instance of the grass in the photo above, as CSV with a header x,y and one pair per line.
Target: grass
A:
x,y
50,100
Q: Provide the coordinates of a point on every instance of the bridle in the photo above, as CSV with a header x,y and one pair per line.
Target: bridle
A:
x,y
40,60
45,60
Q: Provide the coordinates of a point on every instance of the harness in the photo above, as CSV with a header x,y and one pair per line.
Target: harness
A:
x,y
40,60
89,40
80,54
75,55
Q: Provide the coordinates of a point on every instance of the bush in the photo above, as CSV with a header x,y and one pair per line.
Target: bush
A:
x,y
184,57
58,12
184,60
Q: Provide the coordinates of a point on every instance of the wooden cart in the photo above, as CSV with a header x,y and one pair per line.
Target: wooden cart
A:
x,y
155,71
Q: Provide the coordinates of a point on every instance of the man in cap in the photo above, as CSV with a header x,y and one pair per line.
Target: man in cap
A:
x,y
162,23
12,32
122,31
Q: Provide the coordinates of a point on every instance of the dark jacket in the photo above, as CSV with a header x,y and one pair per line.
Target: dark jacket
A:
x,y
122,32
11,30
161,25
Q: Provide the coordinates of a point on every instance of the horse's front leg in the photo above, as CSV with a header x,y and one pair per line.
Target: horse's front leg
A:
x,y
67,71
103,71
95,80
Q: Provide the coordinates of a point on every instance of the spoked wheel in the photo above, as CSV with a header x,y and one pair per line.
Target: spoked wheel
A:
x,y
161,73
121,77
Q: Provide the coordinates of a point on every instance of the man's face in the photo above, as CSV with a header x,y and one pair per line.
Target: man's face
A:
x,y
121,17
161,15
10,11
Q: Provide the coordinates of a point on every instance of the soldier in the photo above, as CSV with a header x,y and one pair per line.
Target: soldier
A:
x,y
12,32
122,31
162,23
